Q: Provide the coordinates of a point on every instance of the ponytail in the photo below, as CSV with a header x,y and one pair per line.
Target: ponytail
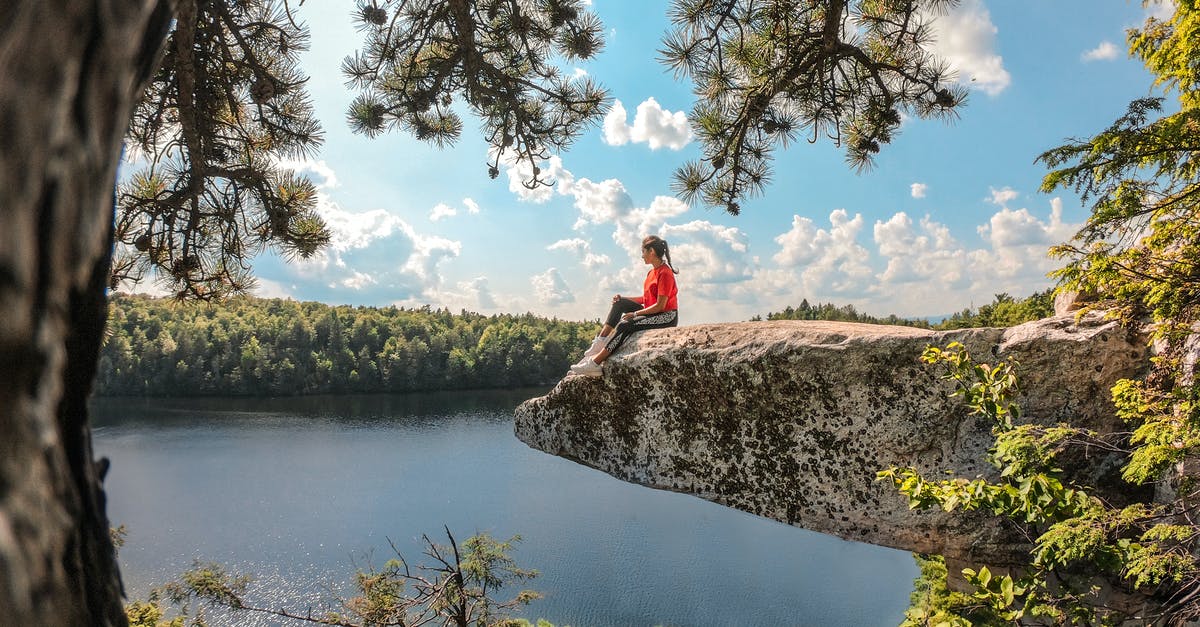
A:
x,y
660,247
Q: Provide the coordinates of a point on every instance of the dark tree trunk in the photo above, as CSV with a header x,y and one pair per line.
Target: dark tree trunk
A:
x,y
70,73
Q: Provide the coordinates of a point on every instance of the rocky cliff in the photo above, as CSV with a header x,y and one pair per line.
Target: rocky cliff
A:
x,y
791,420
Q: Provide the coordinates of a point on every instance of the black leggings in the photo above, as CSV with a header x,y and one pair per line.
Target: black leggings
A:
x,y
625,328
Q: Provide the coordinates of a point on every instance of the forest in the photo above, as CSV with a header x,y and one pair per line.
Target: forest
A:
x,y
1003,311
275,347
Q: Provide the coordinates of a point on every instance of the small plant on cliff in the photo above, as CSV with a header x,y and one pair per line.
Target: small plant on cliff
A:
x,y
1080,544
1137,254
458,590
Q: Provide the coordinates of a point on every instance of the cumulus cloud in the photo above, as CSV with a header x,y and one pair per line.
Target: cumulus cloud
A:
x,y
652,125
601,203
550,288
582,249
520,172
713,255
1106,51
918,190
910,266
358,280
266,288
442,210
479,289
328,178
1001,197
924,254
1008,228
829,257
966,38
376,251
575,245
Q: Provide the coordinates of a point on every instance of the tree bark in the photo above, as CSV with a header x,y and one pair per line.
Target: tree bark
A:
x,y
70,74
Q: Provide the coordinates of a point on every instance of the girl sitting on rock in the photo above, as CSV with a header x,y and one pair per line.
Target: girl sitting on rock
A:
x,y
656,308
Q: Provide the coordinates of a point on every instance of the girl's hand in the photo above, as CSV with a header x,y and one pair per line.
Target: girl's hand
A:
x,y
616,298
628,316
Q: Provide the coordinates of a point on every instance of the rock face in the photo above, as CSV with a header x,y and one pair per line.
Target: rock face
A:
x,y
791,420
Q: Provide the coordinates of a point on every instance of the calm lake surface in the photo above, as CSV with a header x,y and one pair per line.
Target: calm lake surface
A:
x,y
301,491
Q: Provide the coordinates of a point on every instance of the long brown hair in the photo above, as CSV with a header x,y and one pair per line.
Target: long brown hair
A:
x,y
660,248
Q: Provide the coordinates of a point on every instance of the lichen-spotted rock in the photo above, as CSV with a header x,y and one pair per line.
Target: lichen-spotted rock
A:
x,y
792,419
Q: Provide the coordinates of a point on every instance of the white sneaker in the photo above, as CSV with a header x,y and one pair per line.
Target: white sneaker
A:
x,y
587,369
595,348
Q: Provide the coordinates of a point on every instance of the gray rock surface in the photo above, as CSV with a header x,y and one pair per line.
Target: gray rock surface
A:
x,y
791,420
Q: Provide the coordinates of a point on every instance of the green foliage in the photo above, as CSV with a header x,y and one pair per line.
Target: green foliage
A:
x,y
282,347
226,104
932,603
150,614
768,73
457,589
1081,542
1004,311
1137,251
495,57
845,313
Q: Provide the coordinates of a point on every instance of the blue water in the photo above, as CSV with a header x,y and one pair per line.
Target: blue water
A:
x,y
301,492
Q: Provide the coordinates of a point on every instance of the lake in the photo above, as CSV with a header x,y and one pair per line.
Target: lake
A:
x,y
302,491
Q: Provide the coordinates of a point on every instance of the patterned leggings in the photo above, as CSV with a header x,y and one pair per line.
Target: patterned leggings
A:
x,y
625,328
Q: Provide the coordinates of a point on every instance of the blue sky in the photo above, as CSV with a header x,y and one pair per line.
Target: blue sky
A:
x,y
949,216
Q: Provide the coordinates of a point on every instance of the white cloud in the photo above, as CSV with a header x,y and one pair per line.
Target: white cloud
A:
x,y
1106,51
598,203
592,261
616,132
329,178
266,288
551,289
1001,197
442,210
652,125
1008,228
918,190
575,245
350,230
911,267
583,249
375,251
358,281
478,287
579,73
1160,9
966,38
830,258
520,173
925,255
602,203
712,256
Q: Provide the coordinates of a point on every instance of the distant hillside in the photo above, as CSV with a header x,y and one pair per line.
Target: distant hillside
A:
x,y
250,346
1004,311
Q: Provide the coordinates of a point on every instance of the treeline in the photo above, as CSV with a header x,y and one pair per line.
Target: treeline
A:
x,y
250,346
1003,311
843,313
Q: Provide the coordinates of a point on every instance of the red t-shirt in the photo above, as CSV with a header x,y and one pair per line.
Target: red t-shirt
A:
x,y
660,281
